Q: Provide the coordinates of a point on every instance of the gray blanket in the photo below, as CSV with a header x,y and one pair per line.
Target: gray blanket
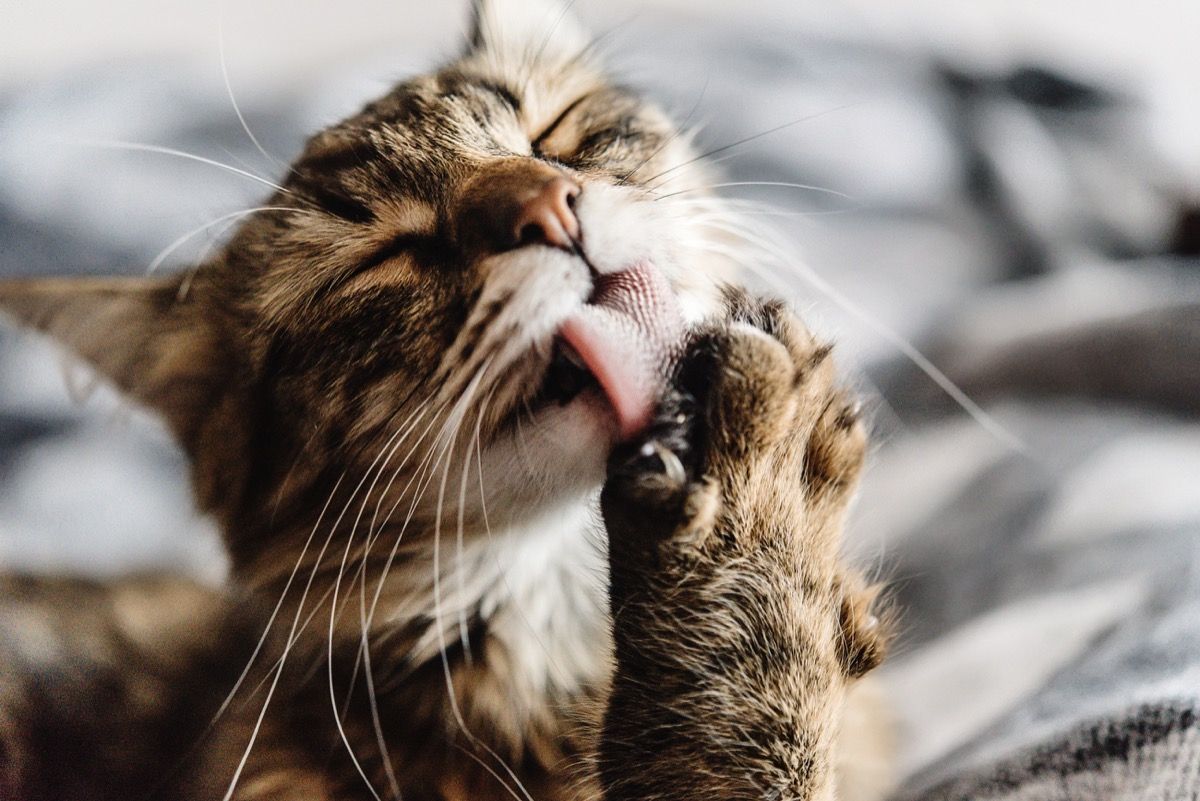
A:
x,y
1018,228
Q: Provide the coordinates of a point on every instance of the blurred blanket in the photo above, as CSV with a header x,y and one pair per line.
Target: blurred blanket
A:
x,y
1018,228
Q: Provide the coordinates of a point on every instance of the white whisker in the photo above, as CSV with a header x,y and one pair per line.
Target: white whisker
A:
x,y
779,184
389,449
139,147
293,633
779,255
274,613
291,640
166,252
229,90
437,598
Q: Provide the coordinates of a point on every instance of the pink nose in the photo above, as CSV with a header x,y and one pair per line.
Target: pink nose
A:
x,y
549,216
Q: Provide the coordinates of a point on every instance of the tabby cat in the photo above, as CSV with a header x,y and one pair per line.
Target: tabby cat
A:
x,y
401,387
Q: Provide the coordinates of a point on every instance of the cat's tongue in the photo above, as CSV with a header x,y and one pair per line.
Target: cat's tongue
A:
x,y
627,336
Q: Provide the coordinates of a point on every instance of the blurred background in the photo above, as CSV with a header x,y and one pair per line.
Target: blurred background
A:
x,y
1009,187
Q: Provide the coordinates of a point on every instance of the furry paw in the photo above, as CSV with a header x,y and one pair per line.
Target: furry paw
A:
x,y
752,459
753,416
737,629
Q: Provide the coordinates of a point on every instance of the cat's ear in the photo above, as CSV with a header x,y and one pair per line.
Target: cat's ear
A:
x,y
524,30
156,346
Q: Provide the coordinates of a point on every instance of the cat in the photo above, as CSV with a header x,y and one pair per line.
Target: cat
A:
x,y
400,387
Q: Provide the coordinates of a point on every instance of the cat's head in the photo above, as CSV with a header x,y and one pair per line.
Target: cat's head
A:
x,y
472,286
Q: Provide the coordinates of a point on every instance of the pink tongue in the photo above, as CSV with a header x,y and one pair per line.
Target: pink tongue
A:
x,y
627,336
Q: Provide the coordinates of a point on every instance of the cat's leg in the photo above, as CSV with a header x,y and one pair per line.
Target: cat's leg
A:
x,y
738,631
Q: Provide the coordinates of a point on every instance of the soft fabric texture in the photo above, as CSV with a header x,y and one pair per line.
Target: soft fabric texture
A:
x,y
1018,227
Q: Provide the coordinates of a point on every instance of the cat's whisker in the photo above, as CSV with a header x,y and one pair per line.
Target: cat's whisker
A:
x,y
293,634
780,256
377,724
290,642
447,453
365,621
680,131
437,597
532,63
390,450
364,647
706,156
228,700
478,760
232,99
423,473
232,216
361,574
779,184
563,674
462,505
140,147
742,206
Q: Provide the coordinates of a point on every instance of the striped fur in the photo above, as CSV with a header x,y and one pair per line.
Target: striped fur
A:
x,y
355,380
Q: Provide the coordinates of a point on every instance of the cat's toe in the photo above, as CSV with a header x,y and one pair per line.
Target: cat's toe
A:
x,y
835,452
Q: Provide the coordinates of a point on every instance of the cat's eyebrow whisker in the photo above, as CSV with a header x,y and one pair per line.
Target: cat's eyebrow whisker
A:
x,y
706,156
229,90
675,134
781,184
139,147
532,63
166,252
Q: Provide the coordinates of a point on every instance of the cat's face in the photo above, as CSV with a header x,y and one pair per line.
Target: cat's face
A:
x,y
474,282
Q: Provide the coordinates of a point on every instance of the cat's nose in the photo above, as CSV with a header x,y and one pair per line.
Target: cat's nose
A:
x,y
548,217
516,203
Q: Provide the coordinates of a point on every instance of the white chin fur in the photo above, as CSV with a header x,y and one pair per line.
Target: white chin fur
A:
x,y
559,453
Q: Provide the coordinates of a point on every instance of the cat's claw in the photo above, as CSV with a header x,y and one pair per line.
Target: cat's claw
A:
x,y
649,478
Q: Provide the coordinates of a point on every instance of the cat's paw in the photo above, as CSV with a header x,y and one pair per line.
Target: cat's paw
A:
x,y
779,424
753,425
736,626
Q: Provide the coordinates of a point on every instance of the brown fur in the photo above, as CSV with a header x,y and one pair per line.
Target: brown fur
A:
x,y
738,631
331,365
